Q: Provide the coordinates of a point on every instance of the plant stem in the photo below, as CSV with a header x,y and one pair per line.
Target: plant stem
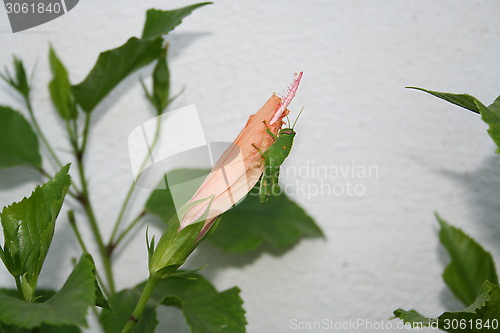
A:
x,y
79,238
134,184
85,132
85,200
40,133
122,211
126,231
141,305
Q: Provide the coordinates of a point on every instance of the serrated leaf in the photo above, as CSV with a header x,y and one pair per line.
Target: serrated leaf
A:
x,y
60,88
470,264
112,67
42,295
123,303
28,227
280,222
466,101
491,116
161,22
205,309
485,309
18,142
68,307
415,318
43,329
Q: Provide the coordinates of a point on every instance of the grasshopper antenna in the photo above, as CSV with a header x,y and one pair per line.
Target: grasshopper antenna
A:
x,y
295,122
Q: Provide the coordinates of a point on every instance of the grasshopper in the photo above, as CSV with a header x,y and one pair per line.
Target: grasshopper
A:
x,y
274,157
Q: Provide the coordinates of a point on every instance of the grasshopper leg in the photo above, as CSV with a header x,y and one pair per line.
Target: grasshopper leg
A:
x,y
260,152
268,130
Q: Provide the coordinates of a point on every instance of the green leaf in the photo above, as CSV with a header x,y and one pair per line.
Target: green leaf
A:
x,y
470,264
279,222
18,142
466,101
205,309
43,329
28,227
484,311
161,22
495,106
161,83
491,116
60,88
415,318
123,304
112,67
68,307
18,81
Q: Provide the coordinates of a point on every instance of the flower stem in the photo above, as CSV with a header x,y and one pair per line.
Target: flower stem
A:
x,y
141,305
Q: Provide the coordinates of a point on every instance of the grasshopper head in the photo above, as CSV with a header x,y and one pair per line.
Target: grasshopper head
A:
x,y
287,131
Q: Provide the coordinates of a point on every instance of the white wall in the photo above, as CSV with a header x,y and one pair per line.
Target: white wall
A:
x,y
382,250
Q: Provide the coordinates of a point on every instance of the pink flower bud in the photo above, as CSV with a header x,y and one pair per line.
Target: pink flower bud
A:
x,y
241,165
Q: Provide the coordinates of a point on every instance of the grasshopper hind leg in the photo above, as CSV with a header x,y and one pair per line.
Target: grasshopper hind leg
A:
x,y
275,187
264,189
265,184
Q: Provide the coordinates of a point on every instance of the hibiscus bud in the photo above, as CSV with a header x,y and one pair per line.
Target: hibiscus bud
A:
x,y
233,176
241,165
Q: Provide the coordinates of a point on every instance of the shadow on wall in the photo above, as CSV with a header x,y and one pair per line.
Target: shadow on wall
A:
x,y
482,188
16,176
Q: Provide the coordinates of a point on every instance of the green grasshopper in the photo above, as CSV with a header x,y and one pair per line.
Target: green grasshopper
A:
x,y
274,157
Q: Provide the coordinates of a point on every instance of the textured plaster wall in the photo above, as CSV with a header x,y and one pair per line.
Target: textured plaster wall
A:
x,y
382,250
